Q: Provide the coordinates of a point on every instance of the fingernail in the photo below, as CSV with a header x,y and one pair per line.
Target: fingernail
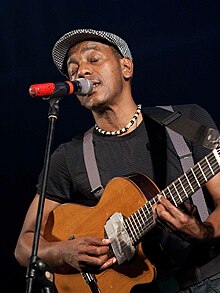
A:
x,y
105,240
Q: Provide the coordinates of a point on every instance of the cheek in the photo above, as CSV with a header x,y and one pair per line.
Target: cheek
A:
x,y
111,77
110,71
116,81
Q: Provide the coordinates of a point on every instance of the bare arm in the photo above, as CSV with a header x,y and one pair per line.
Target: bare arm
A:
x,y
79,253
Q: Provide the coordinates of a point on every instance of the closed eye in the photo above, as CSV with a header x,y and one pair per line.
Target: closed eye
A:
x,y
72,70
93,59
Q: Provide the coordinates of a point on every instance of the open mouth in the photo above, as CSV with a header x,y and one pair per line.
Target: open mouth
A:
x,y
95,83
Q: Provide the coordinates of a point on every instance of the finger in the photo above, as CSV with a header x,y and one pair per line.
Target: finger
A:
x,y
93,240
108,263
166,217
190,208
93,250
98,241
106,241
96,264
168,207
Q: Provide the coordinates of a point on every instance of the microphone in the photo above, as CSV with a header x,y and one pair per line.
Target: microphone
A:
x,y
81,87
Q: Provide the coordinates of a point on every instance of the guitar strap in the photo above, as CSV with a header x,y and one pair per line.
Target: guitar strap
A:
x,y
91,165
187,162
190,129
180,146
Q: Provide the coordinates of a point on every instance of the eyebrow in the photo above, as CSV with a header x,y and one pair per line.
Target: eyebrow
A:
x,y
90,47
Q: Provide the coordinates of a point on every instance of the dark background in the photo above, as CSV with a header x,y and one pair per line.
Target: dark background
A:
x,y
175,45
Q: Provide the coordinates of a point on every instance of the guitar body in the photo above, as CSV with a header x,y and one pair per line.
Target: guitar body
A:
x,y
124,195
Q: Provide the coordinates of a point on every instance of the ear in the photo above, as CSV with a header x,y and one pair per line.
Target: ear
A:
x,y
127,67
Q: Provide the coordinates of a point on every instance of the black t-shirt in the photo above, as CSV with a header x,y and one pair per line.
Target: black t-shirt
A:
x,y
147,150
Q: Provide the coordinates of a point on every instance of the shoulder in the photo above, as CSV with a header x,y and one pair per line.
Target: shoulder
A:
x,y
69,148
193,111
184,108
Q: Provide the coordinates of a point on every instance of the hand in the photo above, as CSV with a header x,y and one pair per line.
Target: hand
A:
x,y
87,254
179,221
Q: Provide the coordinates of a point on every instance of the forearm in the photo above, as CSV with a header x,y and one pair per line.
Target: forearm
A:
x,y
79,253
214,220
48,252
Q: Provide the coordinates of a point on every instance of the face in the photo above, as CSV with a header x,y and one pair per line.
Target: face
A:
x,y
104,67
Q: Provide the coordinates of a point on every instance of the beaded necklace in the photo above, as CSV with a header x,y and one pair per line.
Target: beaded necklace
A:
x,y
124,129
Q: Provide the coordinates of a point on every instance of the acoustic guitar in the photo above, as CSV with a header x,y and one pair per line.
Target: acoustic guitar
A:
x,y
132,196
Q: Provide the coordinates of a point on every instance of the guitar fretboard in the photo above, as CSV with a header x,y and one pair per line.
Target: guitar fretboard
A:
x,y
142,221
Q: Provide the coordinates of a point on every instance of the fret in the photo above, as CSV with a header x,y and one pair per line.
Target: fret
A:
x,y
203,174
171,195
190,185
154,199
198,178
151,221
187,188
215,152
149,209
172,190
134,226
136,220
150,204
177,192
195,177
129,227
142,216
138,227
163,193
209,166
145,215
184,190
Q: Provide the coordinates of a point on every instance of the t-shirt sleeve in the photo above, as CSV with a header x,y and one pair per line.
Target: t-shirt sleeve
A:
x,y
59,185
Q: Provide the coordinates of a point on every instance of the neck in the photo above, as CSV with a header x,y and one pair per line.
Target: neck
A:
x,y
124,122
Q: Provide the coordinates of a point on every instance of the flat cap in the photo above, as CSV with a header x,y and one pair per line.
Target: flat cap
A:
x,y
74,37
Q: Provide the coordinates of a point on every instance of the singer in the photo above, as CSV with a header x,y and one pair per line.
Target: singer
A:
x,y
103,190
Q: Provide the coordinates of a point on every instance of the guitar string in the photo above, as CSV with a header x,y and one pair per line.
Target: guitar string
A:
x,y
203,165
209,172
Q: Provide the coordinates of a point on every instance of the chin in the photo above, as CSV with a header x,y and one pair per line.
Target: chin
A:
x,y
93,102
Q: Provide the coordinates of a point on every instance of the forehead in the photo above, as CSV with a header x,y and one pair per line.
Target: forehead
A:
x,y
86,46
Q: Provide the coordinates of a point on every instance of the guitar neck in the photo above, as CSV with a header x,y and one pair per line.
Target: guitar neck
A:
x,y
142,221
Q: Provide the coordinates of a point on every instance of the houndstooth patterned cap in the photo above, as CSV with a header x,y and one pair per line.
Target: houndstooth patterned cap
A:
x,y
74,37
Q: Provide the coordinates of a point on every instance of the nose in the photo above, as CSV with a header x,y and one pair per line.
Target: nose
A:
x,y
84,69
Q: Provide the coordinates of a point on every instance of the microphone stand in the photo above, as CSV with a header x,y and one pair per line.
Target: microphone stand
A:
x,y
39,272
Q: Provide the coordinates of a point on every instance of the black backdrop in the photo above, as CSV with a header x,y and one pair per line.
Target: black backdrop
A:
x,y
175,45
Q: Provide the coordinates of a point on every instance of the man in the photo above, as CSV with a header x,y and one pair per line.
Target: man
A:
x,y
126,141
